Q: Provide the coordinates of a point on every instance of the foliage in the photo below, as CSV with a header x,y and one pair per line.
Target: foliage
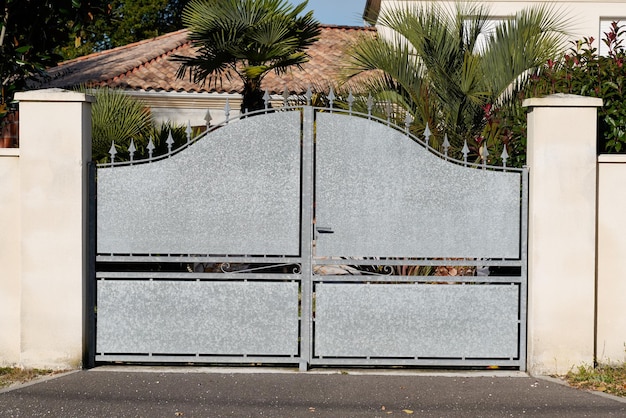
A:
x,y
582,71
117,117
127,21
12,375
30,30
159,134
603,378
246,39
436,66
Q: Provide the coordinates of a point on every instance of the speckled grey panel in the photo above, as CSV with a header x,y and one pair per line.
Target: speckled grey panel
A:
x,y
384,195
221,318
426,320
237,191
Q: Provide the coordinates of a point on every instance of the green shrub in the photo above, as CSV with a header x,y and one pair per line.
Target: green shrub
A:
x,y
584,72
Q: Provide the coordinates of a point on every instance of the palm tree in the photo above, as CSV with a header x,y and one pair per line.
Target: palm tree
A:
x,y
117,118
247,39
442,65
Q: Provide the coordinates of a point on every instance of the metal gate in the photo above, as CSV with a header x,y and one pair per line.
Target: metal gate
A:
x,y
304,236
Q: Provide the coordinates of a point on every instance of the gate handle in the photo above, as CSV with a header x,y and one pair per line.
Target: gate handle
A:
x,y
324,230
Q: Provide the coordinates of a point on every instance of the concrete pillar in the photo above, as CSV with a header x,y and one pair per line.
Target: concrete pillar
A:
x,y
55,147
562,232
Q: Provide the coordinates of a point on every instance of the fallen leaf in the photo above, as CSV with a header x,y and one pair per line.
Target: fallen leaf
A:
x,y
407,411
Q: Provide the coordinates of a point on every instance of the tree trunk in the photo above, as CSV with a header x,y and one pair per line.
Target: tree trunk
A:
x,y
252,96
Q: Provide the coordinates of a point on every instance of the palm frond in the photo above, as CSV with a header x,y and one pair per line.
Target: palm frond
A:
x,y
246,37
445,56
116,117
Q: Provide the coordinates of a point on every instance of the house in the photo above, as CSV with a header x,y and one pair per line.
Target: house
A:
x,y
590,18
146,71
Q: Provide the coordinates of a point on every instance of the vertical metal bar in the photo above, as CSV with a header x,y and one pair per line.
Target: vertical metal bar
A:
x,y
523,343
89,279
306,323
597,242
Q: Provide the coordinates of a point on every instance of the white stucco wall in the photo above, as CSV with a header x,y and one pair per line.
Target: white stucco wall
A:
x,y
10,260
562,232
611,328
181,107
585,14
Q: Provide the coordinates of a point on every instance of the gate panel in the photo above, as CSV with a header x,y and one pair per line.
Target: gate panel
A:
x,y
234,192
384,195
197,318
416,321
297,237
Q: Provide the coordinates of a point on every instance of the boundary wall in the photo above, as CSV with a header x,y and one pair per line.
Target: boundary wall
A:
x,y
577,236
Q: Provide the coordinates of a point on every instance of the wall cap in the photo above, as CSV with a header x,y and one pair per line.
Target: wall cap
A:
x,y
9,152
53,95
612,158
563,100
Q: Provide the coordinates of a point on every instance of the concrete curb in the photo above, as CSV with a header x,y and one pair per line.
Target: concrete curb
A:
x,y
36,380
560,381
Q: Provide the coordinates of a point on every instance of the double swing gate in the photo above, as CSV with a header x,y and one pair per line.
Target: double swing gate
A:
x,y
309,236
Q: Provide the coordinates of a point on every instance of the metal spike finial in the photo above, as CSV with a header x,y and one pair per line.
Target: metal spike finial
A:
x,y
445,145
350,101
266,99
188,131
169,142
465,151
132,149
388,111
427,134
150,148
286,94
308,95
227,110
485,154
208,118
504,156
331,97
112,152
408,120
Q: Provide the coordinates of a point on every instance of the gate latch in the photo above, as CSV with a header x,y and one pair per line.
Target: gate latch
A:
x,y
324,230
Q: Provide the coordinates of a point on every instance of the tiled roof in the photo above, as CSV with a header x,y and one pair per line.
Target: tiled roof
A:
x,y
147,66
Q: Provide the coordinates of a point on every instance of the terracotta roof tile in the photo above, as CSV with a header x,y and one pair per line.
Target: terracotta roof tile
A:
x,y
147,65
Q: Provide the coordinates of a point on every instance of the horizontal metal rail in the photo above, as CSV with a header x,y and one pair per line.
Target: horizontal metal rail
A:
x,y
196,358
418,262
470,280
195,259
115,275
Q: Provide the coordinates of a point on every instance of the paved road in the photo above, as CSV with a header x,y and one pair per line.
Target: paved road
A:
x,y
193,392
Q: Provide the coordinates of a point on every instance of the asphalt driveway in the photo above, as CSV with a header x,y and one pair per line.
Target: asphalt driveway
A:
x,y
119,391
